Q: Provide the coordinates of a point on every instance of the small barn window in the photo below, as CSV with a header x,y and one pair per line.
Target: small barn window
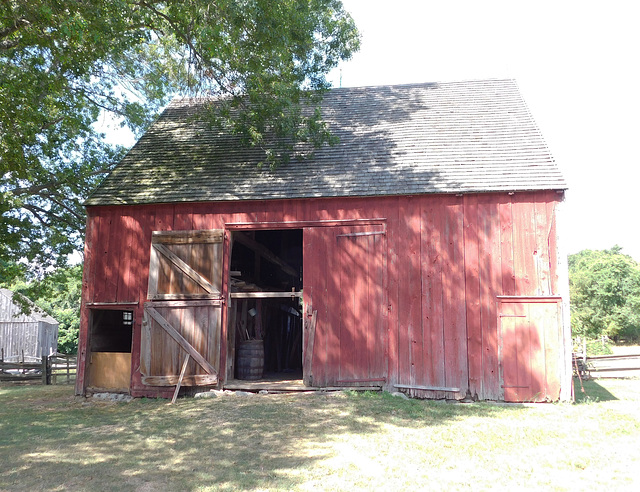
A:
x,y
127,318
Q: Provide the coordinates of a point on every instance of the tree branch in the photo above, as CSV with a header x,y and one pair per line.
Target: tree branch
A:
x,y
17,25
38,189
61,204
187,40
35,211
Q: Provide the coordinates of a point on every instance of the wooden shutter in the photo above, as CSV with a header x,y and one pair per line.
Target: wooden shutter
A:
x,y
183,316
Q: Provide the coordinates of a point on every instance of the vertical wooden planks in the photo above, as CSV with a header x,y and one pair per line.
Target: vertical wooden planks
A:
x,y
490,286
414,278
409,290
472,294
552,243
509,349
317,271
88,295
196,334
553,347
524,245
454,313
375,329
393,239
142,217
363,305
147,225
537,343
432,293
346,328
113,257
101,256
183,217
90,258
506,246
541,254
123,289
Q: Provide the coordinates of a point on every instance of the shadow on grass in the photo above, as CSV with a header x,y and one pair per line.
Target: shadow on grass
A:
x,y
49,439
590,391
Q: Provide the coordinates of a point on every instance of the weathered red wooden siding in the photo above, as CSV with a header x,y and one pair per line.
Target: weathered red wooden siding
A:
x,y
344,270
447,260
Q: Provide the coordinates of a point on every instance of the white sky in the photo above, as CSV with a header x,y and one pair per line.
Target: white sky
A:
x,y
576,64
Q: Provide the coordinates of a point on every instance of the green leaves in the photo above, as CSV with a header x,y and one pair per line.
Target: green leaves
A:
x,y
63,63
605,294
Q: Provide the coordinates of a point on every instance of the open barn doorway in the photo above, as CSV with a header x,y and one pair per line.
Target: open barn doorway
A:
x,y
265,314
110,356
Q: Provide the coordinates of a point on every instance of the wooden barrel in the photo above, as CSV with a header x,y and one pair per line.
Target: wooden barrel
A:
x,y
250,363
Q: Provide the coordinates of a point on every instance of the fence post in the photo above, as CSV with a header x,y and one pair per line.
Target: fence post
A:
x,y
44,369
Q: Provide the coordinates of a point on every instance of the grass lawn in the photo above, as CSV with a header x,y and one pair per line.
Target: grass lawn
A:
x,y
49,440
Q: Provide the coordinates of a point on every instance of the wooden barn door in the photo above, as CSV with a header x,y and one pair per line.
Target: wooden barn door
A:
x,y
182,319
345,285
530,348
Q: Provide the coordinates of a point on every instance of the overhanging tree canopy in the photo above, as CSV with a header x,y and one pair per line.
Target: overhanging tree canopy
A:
x,y
62,62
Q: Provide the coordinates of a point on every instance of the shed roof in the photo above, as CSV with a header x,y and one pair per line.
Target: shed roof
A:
x,y
455,137
12,312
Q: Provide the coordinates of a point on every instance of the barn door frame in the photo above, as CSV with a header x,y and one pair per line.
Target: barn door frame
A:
x,y
311,317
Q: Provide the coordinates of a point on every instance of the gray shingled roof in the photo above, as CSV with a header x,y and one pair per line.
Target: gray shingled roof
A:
x,y
458,137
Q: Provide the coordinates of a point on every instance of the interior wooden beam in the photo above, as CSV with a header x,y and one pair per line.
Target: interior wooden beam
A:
x,y
264,295
265,252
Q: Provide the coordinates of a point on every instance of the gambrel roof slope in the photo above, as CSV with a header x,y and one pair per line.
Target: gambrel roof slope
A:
x,y
458,137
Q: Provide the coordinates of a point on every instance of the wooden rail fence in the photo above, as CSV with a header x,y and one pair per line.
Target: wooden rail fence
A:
x,y
53,369
601,365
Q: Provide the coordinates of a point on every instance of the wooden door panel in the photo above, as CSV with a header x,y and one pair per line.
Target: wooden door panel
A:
x,y
181,331
529,348
347,289
185,264
171,330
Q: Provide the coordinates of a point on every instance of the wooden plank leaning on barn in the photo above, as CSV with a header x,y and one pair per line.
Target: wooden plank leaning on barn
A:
x,y
184,369
308,353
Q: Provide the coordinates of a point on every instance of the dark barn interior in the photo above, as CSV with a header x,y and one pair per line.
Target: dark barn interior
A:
x,y
265,315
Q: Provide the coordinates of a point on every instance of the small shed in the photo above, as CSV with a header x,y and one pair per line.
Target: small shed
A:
x,y
418,254
25,334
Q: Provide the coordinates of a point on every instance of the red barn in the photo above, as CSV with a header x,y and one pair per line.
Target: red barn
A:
x,y
419,254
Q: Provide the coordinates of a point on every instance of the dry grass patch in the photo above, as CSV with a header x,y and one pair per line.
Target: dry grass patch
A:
x,y
51,440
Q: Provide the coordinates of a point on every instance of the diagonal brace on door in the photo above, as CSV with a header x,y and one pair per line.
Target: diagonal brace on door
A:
x,y
186,269
173,333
